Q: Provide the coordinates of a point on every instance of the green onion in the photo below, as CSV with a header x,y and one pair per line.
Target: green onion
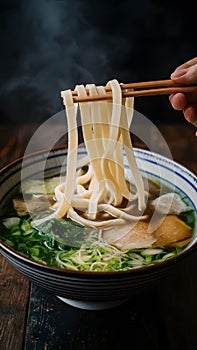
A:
x,y
64,244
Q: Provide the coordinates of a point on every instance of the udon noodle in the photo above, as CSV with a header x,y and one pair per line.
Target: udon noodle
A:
x,y
104,185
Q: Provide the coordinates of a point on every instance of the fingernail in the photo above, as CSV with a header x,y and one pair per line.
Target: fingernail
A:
x,y
178,73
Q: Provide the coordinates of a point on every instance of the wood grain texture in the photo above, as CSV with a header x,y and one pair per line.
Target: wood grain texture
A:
x,y
14,288
55,325
14,298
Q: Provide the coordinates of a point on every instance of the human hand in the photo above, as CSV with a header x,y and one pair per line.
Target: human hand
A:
x,y
187,102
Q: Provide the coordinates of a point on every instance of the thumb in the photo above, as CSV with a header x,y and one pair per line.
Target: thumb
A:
x,y
185,75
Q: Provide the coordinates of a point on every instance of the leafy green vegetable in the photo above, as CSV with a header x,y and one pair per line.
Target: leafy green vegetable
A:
x,y
37,186
68,245
188,218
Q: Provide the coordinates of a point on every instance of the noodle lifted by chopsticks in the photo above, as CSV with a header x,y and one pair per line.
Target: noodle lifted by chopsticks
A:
x,y
103,186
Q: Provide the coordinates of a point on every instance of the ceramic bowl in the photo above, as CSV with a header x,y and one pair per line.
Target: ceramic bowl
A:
x,y
97,290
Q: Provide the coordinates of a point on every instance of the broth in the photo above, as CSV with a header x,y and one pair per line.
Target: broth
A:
x,y
67,244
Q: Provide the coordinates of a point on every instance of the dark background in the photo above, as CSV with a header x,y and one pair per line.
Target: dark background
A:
x,y
51,45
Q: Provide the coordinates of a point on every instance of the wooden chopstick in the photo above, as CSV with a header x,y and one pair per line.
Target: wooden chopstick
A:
x,y
149,88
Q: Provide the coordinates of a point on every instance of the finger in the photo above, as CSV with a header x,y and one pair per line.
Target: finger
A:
x,y
190,114
178,101
185,76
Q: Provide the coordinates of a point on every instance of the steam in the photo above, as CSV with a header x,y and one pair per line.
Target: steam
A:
x,y
50,45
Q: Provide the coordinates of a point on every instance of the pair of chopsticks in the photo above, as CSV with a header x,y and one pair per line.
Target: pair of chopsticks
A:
x,y
149,88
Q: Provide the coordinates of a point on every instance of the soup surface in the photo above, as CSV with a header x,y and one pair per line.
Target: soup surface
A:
x,y
154,237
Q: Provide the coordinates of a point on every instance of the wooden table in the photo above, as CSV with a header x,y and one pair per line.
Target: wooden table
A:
x,y
163,318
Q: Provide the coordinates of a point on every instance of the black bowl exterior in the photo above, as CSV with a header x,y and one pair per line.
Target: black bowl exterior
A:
x,y
75,285
89,286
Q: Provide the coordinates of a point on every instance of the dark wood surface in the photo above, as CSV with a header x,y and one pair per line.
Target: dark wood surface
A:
x,y
162,318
